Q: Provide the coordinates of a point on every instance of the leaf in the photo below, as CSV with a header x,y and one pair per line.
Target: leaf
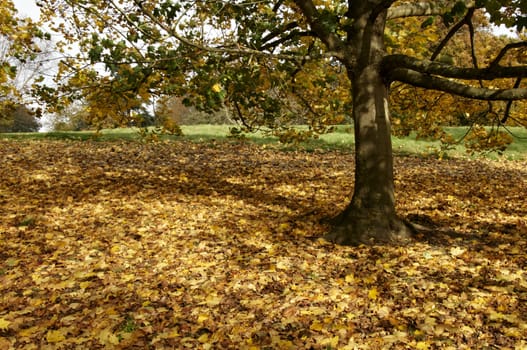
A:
x,y
317,326
216,88
4,324
107,337
457,251
331,342
421,345
372,294
55,336
428,22
202,318
28,332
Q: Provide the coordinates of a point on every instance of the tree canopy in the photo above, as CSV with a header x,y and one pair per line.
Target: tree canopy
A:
x,y
21,43
269,61
276,63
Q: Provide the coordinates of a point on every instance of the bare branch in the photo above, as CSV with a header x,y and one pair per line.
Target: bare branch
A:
x,y
466,20
506,49
436,83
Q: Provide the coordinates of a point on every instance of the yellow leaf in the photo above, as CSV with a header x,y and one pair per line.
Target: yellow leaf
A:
x,y
106,337
332,342
4,324
372,294
421,345
316,326
283,227
214,300
84,285
28,332
513,332
419,334
204,338
55,336
128,277
202,318
216,87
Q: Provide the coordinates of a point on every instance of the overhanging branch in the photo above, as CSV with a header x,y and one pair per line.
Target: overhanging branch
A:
x,y
441,84
425,8
393,62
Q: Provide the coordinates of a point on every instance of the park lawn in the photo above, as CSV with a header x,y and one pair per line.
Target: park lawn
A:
x,y
340,139
217,245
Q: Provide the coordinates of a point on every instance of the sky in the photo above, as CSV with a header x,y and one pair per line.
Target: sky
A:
x,y
27,8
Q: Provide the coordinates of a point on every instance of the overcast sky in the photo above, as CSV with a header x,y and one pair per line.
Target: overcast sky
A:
x,y
27,8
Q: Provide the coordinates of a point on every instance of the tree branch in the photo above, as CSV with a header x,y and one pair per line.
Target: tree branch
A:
x,y
394,62
239,50
452,32
292,35
436,83
330,39
422,9
505,49
280,30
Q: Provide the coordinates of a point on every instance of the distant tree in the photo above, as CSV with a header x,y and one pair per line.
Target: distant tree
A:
x,y
24,54
71,118
172,109
18,119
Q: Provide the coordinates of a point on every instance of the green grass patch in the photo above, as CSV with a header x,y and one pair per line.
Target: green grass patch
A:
x,y
340,139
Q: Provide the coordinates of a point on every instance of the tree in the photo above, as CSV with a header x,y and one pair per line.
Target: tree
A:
x,y
21,54
268,61
18,119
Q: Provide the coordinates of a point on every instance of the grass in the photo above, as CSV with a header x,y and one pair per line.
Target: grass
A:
x,y
340,139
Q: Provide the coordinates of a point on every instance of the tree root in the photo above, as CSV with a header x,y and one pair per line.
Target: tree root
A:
x,y
356,229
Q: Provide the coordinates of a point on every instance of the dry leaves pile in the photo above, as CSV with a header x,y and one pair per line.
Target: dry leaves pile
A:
x,y
214,246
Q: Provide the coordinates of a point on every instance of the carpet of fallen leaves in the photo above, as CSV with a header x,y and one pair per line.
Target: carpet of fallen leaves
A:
x,y
216,246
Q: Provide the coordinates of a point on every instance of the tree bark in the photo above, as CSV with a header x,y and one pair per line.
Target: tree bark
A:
x,y
371,216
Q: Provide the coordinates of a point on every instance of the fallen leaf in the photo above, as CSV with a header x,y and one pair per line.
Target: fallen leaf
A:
x,y
4,324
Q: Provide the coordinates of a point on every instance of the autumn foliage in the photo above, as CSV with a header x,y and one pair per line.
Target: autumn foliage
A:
x,y
216,246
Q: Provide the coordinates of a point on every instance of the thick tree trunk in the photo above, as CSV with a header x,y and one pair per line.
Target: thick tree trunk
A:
x,y
371,216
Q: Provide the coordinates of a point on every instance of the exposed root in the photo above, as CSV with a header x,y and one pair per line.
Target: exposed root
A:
x,y
355,229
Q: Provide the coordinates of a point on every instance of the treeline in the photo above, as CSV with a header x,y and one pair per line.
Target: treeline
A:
x,y
168,113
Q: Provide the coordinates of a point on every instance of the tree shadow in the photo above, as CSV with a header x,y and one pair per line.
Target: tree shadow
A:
x,y
260,179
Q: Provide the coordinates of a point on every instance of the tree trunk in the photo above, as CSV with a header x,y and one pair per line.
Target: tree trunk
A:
x,y
371,216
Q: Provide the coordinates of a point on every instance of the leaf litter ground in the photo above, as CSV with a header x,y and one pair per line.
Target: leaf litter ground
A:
x,y
216,246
